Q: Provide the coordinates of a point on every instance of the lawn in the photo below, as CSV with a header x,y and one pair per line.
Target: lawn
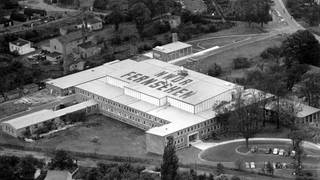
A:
x,y
224,58
115,138
227,153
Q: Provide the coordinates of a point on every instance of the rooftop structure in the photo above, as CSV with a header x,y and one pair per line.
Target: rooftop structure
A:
x,y
174,46
20,42
45,115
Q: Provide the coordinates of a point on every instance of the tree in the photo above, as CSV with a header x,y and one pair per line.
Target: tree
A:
x,y
26,168
297,137
62,161
170,161
269,168
116,16
246,114
215,70
100,4
93,174
301,47
310,88
254,11
235,178
141,15
220,169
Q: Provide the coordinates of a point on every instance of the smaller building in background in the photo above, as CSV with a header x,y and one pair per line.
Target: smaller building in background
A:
x,y
4,22
88,49
93,24
304,115
172,51
54,57
78,65
21,46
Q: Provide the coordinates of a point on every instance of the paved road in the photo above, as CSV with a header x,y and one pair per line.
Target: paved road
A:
x,y
39,4
282,13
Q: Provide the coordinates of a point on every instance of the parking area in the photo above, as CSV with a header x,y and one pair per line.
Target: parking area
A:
x,y
278,153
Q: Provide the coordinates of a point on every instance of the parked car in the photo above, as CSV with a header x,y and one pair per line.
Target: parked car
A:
x,y
247,165
252,165
281,152
275,151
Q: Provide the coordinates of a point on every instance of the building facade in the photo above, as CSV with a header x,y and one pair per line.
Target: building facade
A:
x,y
21,46
159,98
172,51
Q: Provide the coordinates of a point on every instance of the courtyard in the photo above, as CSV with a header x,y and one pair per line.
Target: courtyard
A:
x,y
101,135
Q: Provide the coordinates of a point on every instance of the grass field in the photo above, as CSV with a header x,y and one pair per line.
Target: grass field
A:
x,y
115,138
227,153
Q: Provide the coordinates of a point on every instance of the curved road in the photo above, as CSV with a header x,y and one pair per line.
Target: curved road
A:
x,y
291,27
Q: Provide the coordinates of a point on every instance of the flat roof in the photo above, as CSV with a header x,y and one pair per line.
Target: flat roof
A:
x,y
302,110
45,115
20,42
193,87
179,120
101,88
174,46
201,87
83,76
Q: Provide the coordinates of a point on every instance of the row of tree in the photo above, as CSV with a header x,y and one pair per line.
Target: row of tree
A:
x,y
253,11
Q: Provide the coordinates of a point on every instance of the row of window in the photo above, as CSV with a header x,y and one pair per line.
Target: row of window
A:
x,y
123,107
178,141
9,130
129,116
196,127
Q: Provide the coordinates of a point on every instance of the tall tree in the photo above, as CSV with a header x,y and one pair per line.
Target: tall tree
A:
x,y
301,47
170,161
62,161
297,137
116,16
253,11
26,169
310,88
141,15
244,114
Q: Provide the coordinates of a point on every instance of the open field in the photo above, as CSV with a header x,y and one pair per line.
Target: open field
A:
x,y
115,138
224,58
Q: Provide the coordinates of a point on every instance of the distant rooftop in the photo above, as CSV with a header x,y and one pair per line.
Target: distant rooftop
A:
x,y
301,110
20,42
175,46
45,115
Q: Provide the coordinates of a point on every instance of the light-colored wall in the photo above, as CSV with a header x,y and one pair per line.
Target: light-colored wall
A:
x,y
155,144
56,46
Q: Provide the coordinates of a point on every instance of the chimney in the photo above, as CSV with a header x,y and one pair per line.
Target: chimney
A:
x,y
174,37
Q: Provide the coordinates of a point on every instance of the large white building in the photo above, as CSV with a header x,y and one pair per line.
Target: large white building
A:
x,y
160,98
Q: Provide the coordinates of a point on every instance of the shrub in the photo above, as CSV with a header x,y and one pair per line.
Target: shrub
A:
x,y
240,63
144,47
116,40
156,28
271,52
220,169
215,70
